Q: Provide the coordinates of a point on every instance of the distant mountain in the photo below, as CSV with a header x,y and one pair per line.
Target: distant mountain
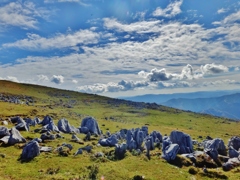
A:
x,y
225,106
160,98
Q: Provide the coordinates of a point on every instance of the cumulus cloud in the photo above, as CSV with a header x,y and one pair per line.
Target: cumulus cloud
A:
x,y
213,69
159,75
162,75
113,87
57,79
36,42
42,78
170,11
22,15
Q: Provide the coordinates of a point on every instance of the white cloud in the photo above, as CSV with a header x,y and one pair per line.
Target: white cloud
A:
x,y
140,27
58,79
156,75
232,18
170,11
221,82
36,42
113,87
22,15
10,78
66,1
74,81
159,79
42,78
213,69
222,10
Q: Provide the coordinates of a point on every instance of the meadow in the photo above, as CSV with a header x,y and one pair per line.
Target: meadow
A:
x,y
112,115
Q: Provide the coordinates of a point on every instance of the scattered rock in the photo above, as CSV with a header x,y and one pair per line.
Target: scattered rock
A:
x,y
64,126
120,150
183,140
110,141
91,124
30,151
4,132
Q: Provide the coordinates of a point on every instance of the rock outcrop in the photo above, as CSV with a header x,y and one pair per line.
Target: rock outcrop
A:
x,y
64,126
183,140
89,124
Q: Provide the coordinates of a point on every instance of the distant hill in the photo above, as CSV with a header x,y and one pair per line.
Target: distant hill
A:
x,y
224,106
160,98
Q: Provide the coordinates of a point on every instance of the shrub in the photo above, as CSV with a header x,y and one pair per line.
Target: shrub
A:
x,y
193,170
94,169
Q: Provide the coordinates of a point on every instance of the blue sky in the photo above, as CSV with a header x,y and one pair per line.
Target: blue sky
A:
x,y
121,47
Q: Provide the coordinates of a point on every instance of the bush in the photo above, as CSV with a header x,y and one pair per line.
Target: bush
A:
x,y
138,177
193,170
94,169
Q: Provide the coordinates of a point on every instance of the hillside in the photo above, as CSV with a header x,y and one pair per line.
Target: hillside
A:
x,y
162,98
225,106
30,101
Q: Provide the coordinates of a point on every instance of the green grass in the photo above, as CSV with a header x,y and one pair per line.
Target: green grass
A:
x,y
52,101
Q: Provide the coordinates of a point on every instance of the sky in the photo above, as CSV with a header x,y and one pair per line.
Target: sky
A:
x,y
122,47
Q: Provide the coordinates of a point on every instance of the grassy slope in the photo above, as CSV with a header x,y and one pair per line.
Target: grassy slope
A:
x,y
48,102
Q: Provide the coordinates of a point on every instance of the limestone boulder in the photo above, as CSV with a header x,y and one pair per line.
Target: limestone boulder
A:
x,y
120,150
183,140
214,147
15,137
91,124
30,151
110,141
4,131
170,152
64,126
234,142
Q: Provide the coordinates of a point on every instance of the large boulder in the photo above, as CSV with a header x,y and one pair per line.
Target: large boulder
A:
x,y
51,127
120,150
231,163
156,135
132,144
16,120
4,131
30,151
233,152
23,126
139,138
234,142
110,141
183,140
14,138
170,152
64,126
145,130
47,119
214,147
91,124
